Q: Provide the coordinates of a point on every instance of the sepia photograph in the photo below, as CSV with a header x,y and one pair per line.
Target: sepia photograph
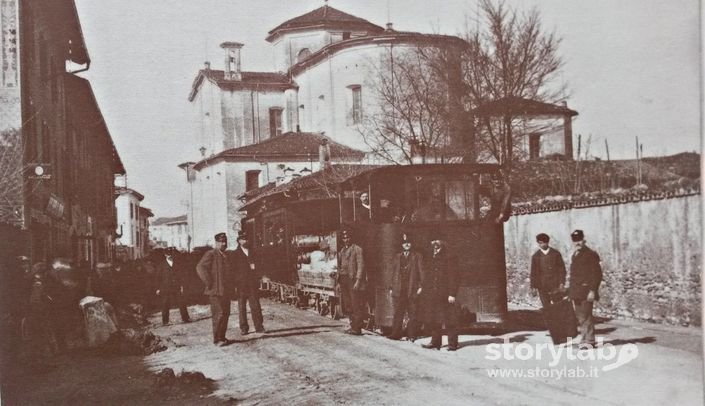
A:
x,y
358,202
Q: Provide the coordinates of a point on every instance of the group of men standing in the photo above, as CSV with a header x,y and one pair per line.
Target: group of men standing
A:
x,y
424,291
548,277
228,275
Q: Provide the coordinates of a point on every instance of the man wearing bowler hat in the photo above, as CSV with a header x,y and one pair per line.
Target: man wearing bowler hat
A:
x,y
439,290
585,279
547,271
215,270
247,284
170,285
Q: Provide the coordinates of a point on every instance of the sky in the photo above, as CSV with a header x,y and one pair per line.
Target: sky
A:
x,y
632,68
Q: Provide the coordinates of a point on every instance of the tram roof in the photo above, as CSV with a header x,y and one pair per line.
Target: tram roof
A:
x,y
347,175
334,175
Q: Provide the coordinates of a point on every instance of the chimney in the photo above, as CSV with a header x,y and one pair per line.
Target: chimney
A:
x,y
389,27
232,60
324,154
207,65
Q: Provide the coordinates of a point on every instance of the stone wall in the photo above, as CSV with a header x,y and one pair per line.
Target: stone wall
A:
x,y
650,250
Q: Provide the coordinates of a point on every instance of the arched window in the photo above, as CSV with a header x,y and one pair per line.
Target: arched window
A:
x,y
303,55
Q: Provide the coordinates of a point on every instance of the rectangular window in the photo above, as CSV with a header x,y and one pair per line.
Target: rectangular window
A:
x,y
251,180
534,145
275,122
356,111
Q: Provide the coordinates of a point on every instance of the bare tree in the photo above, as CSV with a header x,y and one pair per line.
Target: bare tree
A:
x,y
428,95
412,94
509,57
11,179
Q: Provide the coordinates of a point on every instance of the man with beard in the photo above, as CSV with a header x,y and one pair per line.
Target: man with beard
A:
x,y
215,270
247,285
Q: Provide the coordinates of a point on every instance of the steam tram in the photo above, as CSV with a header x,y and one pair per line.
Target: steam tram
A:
x,y
296,228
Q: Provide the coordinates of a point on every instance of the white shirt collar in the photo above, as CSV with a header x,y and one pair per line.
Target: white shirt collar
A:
x,y
545,252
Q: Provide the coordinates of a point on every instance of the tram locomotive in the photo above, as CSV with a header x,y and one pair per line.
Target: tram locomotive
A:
x,y
296,230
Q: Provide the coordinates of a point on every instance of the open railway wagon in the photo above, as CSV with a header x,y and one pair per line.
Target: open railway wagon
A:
x,y
296,229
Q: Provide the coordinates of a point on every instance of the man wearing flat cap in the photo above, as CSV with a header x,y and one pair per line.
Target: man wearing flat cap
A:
x,y
216,271
585,279
247,283
547,271
351,278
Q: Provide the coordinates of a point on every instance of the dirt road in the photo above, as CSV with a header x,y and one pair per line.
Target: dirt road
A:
x,y
306,359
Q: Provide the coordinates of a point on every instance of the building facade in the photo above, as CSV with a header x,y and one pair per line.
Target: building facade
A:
x,y
132,224
217,182
170,232
67,160
325,61
322,84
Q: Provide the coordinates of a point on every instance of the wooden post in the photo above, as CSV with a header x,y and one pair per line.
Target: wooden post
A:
x,y
607,149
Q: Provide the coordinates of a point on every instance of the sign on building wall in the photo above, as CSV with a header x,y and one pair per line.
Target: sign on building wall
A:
x,y
9,39
10,113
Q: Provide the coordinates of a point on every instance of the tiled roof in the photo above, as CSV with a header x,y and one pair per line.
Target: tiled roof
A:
x,y
249,77
290,145
85,113
145,211
125,190
333,175
249,80
166,220
385,37
327,17
518,105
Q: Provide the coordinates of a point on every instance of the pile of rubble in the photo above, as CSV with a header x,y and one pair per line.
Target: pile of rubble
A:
x,y
136,342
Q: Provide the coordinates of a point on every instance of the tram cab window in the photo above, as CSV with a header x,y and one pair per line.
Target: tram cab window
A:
x,y
274,231
436,198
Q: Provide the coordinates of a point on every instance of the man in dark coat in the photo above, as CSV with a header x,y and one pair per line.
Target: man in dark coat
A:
x,y
439,290
247,284
405,286
215,270
170,285
585,279
547,271
351,277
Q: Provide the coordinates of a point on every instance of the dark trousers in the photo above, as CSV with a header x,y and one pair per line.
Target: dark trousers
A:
x,y
402,305
220,312
251,295
547,298
355,300
586,324
449,314
169,299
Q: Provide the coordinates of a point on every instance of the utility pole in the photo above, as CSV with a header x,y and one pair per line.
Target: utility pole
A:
x,y
607,149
